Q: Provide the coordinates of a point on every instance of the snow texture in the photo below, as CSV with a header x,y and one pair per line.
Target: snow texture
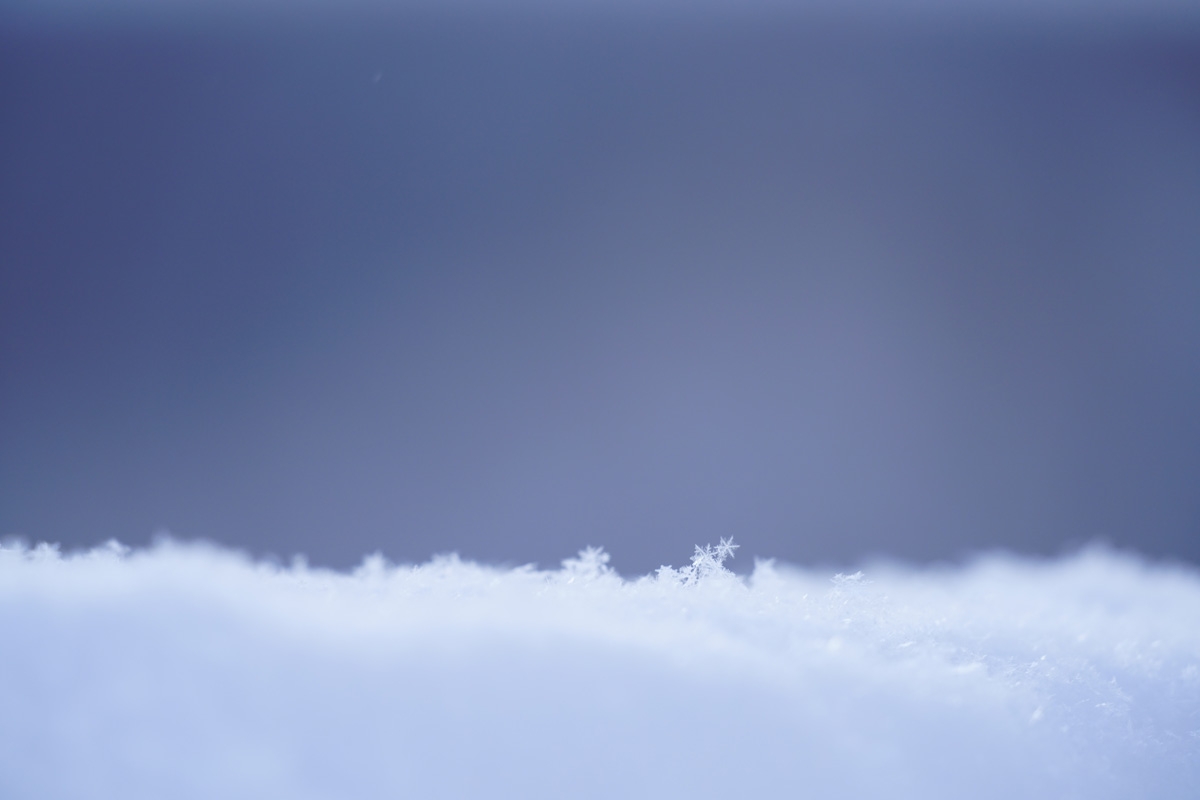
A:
x,y
188,671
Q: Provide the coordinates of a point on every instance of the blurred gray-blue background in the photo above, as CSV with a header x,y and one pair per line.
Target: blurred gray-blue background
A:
x,y
837,284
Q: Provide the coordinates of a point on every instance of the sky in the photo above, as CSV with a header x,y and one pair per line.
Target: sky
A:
x,y
510,283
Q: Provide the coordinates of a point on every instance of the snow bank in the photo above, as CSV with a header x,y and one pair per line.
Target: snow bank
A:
x,y
188,671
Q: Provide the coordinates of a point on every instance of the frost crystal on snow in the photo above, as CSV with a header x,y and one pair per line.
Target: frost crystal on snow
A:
x,y
590,564
707,561
854,579
725,549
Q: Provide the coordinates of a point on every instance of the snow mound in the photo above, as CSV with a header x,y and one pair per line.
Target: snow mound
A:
x,y
188,671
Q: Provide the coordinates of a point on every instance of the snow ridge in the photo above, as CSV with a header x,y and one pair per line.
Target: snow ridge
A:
x,y
192,671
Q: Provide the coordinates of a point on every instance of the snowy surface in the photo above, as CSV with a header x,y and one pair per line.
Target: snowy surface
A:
x,y
187,671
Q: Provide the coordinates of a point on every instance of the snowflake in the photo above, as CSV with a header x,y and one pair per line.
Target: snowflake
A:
x,y
724,550
707,560
591,563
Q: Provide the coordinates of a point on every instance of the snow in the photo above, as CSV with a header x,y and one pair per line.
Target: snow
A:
x,y
190,671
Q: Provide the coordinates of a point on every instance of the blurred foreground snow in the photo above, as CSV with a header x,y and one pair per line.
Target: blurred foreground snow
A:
x,y
187,671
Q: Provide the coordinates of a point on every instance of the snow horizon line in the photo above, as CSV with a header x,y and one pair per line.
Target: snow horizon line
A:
x,y
721,552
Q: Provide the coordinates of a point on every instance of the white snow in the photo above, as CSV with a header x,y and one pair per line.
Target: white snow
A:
x,y
188,671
